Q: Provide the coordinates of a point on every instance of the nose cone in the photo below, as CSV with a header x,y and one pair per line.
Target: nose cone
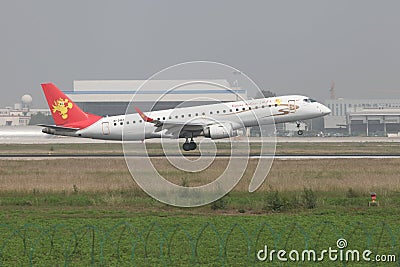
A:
x,y
325,110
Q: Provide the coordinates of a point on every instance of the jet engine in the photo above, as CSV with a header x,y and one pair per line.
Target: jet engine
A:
x,y
218,131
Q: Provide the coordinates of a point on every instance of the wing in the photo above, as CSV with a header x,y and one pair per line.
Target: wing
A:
x,y
177,127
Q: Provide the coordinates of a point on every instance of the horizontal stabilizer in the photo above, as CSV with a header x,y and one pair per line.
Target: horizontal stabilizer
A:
x,y
59,128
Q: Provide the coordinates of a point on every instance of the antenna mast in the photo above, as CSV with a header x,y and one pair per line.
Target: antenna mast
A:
x,y
332,90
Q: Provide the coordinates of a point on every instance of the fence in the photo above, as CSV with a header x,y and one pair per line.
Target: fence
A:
x,y
154,245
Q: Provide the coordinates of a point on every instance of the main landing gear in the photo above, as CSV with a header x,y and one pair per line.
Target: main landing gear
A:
x,y
187,146
299,132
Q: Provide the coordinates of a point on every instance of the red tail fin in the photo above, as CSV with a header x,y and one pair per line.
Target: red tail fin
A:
x,y
65,112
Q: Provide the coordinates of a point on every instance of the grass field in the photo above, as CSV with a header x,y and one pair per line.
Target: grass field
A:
x,y
107,175
281,148
87,236
82,212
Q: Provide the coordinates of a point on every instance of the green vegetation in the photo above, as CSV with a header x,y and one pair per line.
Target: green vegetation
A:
x,y
86,229
41,118
83,212
221,204
77,226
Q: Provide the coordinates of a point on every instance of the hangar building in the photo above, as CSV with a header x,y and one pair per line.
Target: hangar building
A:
x,y
112,97
374,122
363,116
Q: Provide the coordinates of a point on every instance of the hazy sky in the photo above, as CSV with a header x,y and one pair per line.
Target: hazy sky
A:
x,y
285,46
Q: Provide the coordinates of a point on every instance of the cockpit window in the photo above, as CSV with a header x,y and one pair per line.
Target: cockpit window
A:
x,y
309,100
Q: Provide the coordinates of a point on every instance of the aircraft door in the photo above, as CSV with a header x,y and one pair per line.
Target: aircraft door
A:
x,y
106,128
292,106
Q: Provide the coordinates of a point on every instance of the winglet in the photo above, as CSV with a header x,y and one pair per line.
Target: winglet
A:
x,y
144,117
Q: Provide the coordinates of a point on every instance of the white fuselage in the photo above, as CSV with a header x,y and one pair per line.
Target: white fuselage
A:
x,y
239,114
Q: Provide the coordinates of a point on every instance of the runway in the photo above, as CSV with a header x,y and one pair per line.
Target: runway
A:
x,y
251,156
34,135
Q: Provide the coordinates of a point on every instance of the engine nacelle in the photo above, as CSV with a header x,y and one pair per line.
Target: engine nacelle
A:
x,y
218,131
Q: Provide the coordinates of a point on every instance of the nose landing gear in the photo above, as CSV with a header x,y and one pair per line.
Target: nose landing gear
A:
x,y
187,146
299,132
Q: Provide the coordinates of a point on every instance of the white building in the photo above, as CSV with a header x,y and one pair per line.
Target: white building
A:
x,y
20,114
14,116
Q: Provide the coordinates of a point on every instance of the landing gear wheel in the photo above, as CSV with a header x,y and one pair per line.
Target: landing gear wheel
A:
x,y
192,145
298,124
186,146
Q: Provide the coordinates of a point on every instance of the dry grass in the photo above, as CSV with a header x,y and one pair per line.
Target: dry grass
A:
x,y
335,174
63,174
104,175
337,148
155,148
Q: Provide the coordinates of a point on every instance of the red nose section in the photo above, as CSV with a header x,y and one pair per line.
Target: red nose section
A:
x,y
64,111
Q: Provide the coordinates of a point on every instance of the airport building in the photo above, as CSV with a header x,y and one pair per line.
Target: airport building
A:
x,y
21,113
15,116
112,97
374,122
363,116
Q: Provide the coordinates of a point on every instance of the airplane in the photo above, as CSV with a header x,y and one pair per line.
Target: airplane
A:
x,y
215,121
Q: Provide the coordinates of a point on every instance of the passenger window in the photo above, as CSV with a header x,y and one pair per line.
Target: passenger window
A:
x,y
230,110
163,118
134,121
183,116
243,109
115,124
197,114
217,111
237,109
211,112
190,115
121,123
249,108
204,113
140,121
224,111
